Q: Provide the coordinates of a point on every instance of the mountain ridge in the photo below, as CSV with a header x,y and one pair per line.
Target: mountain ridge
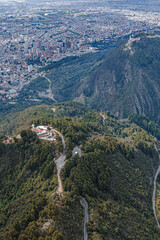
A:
x,y
113,152
123,80
126,81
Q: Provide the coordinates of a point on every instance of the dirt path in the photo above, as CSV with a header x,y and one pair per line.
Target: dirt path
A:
x,y
49,94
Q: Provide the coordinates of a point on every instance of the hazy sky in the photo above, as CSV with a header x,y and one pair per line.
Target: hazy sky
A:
x,y
133,4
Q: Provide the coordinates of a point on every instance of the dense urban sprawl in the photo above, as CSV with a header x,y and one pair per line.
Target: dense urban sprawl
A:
x,y
34,35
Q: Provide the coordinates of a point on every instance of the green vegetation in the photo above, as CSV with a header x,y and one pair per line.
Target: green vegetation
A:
x,y
119,80
145,123
67,77
66,71
75,132
15,122
115,176
116,171
70,109
22,184
158,201
119,202
28,179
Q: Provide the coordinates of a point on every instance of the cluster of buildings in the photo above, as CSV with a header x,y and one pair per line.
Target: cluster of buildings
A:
x,y
32,36
44,132
8,140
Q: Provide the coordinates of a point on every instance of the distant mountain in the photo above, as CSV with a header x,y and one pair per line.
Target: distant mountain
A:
x,y
128,80
124,80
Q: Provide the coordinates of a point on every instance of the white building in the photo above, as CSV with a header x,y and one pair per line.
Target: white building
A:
x,y
30,68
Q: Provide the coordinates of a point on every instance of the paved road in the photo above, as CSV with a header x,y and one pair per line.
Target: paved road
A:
x,y
63,142
85,205
76,150
60,162
154,191
103,118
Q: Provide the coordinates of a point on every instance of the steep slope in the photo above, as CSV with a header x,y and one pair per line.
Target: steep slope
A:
x,y
125,80
128,80
114,174
27,204
63,76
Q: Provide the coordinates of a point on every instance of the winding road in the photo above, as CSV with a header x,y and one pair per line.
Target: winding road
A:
x,y
85,205
103,118
154,190
60,162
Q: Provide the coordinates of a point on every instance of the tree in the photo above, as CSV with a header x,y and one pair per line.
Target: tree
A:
x,y
57,236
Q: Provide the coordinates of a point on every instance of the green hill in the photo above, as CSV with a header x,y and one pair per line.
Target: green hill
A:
x,y
122,80
126,81
65,73
115,175
14,122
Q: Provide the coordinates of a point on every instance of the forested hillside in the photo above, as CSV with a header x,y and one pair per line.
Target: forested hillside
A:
x,y
14,122
114,174
123,80
128,79
28,180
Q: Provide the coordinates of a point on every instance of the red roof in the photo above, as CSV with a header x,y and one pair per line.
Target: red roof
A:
x,y
39,130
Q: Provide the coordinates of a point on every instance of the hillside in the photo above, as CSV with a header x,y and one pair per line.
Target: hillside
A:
x,y
114,174
126,81
123,80
14,122
66,72
28,179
